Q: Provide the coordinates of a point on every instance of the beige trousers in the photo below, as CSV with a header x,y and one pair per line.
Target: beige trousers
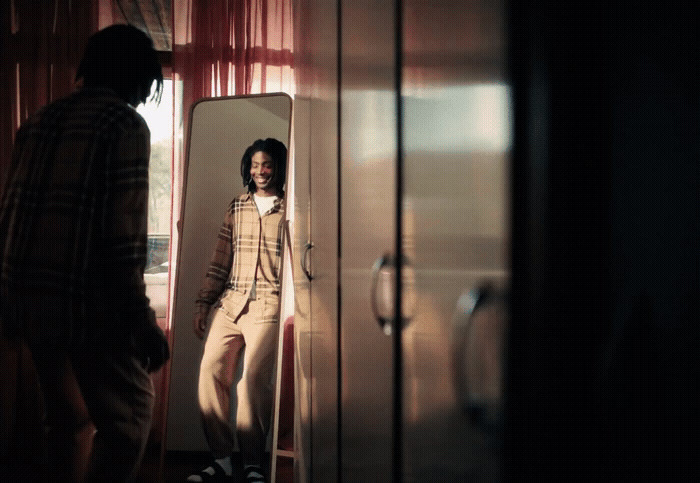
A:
x,y
229,342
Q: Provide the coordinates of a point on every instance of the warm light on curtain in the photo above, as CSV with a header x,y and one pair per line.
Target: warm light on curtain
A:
x,y
228,47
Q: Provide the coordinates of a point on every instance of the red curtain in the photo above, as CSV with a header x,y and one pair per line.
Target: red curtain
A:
x,y
41,46
228,47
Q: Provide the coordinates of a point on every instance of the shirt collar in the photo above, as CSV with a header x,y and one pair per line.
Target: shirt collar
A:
x,y
277,204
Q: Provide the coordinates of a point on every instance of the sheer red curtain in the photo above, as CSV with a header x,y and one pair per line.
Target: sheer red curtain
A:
x,y
228,47
41,45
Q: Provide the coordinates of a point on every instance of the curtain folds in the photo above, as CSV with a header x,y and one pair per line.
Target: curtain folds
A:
x,y
40,46
231,47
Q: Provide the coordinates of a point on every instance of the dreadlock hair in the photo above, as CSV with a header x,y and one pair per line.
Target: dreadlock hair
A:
x,y
278,152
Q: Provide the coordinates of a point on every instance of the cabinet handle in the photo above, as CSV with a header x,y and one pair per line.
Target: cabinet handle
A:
x,y
384,314
382,296
477,350
304,261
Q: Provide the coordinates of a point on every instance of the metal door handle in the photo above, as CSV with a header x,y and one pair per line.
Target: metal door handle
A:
x,y
383,312
478,330
304,260
382,296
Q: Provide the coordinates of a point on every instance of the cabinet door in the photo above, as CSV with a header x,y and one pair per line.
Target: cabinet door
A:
x,y
316,240
456,138
367,220
357,416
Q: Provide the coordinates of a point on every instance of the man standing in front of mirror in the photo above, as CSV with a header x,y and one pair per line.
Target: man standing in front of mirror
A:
x,y
73,233
242,284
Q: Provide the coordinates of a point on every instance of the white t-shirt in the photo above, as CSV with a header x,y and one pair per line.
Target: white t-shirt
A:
x,y
264,203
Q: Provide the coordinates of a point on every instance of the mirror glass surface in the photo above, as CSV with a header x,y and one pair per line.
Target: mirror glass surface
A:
x,y
220,130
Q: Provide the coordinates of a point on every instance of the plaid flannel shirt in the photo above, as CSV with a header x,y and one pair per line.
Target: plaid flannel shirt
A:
x,y
73,222
248,250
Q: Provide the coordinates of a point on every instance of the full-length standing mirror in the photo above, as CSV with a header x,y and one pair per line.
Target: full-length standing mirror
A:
x,y
220,131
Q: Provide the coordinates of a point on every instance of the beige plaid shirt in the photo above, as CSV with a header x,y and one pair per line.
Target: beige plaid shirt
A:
x,y
247,260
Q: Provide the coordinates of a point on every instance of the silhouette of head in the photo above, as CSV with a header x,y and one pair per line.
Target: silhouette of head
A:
x,y
122,57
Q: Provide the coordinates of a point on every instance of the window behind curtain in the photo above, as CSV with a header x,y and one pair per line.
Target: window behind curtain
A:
x,y
160,121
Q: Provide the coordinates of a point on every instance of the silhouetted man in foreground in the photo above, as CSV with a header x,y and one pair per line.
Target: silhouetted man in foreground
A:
x,y
73,220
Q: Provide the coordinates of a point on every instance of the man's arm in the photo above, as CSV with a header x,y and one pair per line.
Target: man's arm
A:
x,y
127,224
127,243
217,274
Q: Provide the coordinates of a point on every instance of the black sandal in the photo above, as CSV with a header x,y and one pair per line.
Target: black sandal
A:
x,y
218,475
254,474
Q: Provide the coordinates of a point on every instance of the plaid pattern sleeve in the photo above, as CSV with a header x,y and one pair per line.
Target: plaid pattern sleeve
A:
x,y
219,266
126,223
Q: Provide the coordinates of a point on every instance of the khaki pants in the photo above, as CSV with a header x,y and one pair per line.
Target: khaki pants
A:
x,y
101,386
227,341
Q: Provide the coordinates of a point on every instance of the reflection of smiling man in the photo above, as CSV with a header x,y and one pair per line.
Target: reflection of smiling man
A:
x,y
243,281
